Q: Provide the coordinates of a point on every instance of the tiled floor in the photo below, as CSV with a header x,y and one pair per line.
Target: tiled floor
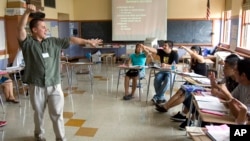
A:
x,y
97,116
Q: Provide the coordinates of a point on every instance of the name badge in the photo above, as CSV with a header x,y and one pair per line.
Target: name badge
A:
x,y
45,55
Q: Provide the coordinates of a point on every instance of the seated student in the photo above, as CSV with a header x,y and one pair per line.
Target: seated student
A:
x,y
229,82
137,59
161,82
239,99
198,66
7,86
230,64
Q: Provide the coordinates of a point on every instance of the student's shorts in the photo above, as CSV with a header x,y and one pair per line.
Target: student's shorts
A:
x,y
3,79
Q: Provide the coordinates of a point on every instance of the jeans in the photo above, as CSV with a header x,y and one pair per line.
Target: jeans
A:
x,y
161,84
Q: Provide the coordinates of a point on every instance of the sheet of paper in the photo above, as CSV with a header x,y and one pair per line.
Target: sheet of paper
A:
x,y
191,74
202,80
207,98
212,105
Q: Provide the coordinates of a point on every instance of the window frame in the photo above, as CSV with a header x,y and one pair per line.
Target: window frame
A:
x,y
50,3
226,27
241,49
244,43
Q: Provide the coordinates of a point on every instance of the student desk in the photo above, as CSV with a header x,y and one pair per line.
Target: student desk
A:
x,y
152,73
118,51
194,82
106,57
198,136
77,64
210,118
66,64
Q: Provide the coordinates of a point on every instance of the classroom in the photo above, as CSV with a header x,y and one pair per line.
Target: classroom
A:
x,y
95,81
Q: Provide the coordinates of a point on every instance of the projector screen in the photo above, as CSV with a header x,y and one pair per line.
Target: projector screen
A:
x,y
135,20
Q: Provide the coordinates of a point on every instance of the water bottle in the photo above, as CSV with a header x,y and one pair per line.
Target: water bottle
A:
x,y
173,66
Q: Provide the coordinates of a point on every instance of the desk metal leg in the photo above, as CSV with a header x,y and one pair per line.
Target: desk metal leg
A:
x,y
118,81
172,80
1,100
70,88
171,83
71,79
67,71
190,111
17,88
19,72
112,82
91,77
149,80
139,88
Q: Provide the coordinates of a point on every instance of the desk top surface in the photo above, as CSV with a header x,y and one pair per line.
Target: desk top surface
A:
x,y
198,135
11,69
131,67
102,47
192,81
81,63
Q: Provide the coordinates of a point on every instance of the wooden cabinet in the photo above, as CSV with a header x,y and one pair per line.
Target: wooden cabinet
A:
x,y
11,23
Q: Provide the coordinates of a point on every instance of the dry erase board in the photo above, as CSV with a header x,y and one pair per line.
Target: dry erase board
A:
x,y
190,31
100,29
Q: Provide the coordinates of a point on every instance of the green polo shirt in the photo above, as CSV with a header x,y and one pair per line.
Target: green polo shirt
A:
x,y
42,60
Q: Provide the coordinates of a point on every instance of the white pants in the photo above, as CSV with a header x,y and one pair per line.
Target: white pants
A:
x,y
53,95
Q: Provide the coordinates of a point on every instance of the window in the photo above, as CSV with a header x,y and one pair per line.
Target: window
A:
x,y
227,27
50,3
245,42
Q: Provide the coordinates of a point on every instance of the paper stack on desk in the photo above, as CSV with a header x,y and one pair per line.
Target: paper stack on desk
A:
x,y
207,98
202,80
191,74
218,133
212,105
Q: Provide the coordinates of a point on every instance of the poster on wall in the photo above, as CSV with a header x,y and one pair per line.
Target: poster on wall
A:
x,y
52,29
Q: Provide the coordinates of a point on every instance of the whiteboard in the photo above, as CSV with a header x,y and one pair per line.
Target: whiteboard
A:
x,y
2,36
